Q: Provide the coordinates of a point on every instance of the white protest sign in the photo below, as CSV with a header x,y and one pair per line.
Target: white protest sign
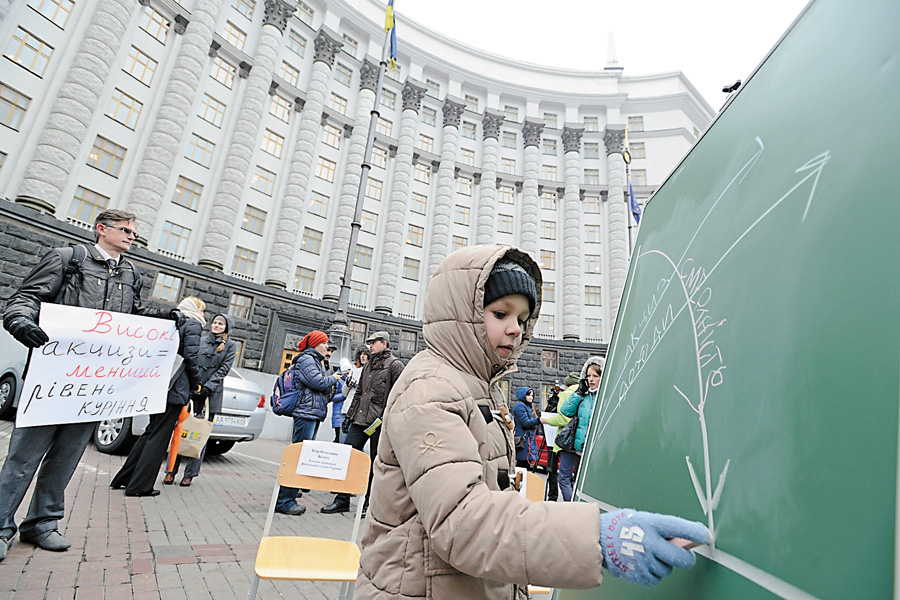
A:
x,y
97,365
324,459
549,430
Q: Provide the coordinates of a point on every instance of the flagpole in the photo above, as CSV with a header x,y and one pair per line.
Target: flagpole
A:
x,y
628,199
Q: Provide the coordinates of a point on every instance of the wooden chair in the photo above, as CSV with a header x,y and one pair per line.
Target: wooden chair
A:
x,y
307,558
534,491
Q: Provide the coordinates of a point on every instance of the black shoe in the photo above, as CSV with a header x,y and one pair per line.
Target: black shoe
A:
x,y
296,510
150,494
336,507
116,486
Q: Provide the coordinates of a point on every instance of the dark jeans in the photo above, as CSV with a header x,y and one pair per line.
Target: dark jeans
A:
x,y
357,438
138,474
304,429
553,466
568,470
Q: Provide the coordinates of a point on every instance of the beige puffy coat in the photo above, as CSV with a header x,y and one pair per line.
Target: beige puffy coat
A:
x,y
438,526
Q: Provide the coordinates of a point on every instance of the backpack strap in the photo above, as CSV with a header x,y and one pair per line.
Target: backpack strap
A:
x,y
72,257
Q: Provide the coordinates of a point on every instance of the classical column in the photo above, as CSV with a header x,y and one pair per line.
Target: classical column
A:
x,y
617,251
287,233
225,216
66,127
531,133
443,198
398,208
487,196
339,242
170,125
571,263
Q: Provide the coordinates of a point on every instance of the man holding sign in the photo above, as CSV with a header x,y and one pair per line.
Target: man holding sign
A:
x,y
95,277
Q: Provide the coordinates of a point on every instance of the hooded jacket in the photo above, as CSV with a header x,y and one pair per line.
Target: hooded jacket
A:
x,y
583,404
315,386
526,425
438,526
214,365
376,380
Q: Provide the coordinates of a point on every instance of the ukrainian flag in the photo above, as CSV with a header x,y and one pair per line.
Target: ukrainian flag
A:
x,y
389,25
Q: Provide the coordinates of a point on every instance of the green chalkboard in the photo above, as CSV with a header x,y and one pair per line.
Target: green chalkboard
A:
x,y
755,363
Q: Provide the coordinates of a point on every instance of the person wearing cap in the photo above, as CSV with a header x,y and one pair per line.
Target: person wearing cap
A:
x,y
445,520
375,382
312,403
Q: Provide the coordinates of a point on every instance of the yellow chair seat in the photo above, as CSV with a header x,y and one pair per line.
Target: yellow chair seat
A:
x,y
536,589
307,559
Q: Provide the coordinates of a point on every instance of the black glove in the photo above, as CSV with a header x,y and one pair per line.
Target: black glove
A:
x,y
194,396
203,394
176,316
28,333
582,387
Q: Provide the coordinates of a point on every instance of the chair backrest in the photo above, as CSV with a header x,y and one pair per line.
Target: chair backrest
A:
x,y
357,472
534,487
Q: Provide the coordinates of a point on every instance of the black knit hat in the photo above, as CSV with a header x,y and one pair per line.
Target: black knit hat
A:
x,y
507,278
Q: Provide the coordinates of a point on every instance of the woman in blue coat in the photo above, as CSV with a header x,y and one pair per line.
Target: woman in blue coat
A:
x,y
582,403
527,422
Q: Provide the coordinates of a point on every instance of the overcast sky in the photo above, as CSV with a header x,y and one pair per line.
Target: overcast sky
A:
x,y
713,42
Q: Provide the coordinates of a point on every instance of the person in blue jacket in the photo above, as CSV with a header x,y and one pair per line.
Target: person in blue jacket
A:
x,y
315,386
527,422
582,403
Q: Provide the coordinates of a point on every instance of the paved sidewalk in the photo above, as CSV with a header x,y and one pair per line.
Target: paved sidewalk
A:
x,y
188,543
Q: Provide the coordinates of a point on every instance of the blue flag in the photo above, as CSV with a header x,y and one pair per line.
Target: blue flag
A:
x,y
390,25
635,207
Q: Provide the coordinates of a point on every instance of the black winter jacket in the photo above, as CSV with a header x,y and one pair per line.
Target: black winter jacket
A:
x,y
189,349
214,366
375,382
315,386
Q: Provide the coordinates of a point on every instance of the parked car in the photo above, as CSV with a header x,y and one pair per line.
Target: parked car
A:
x,y
241,420
12,370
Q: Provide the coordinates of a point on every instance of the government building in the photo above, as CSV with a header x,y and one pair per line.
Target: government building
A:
x,y
236,131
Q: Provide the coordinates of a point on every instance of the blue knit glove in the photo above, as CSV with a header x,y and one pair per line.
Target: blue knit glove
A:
x,y
636,544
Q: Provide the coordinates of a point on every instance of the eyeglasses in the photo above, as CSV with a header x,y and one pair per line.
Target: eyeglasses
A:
x,y
127,230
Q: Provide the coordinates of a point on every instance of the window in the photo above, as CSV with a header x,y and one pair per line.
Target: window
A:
x,y
57,11
432,88
549,359
548,260
548,200
155,24
373,188
548,291
86,205
503,389
467,157
593,329
550,121
384,127
426,143
343,74
591,150
408,341
363,258
546,327
635,123
549,172
200,150
369,221
592,177
379,157
548,230
419,203
423,174
548,147
592,263
222,72
174,238
592,204
416,235
187,193
429,116
411,268
280,109
511,113
306,13
234,36
357,332
239,306
468,130
358,291
509,139
591,124
339,103
592,234
167,287
639,176
471,103
272,143
504,223
311,241
508,165
244,261
318,204
464,186
388,99
106,156
463,214
332,135
211,110
351,46
263,181
296,43
592,295
254,220
290,73
507,194
29,52
122,107
458,242
13,105
245,7
395,72
407,304
637,150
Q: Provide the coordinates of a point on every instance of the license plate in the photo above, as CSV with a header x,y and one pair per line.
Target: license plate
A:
x,y
230,421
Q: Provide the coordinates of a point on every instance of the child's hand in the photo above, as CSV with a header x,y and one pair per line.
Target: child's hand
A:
x,y
636,544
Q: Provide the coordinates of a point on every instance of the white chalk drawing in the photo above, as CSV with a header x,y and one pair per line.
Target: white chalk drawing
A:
x,y
693,281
